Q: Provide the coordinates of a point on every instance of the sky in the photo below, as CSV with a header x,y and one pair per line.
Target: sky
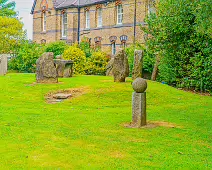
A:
x,y
24,8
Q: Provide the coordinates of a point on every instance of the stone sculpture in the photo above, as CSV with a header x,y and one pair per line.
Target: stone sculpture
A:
x,y
138,64
3,64
120,66
45,69
139,103
109,68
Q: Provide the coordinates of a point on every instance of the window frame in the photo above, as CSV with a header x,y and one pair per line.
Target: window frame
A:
x,y
87,19
64,29
120,13
99,17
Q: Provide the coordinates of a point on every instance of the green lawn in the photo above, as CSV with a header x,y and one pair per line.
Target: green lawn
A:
x,y
87,132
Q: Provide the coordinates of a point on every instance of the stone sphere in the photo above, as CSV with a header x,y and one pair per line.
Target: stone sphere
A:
x,y
139,85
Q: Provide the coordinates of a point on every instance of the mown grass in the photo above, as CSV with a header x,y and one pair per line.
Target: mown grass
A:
x,y
88,133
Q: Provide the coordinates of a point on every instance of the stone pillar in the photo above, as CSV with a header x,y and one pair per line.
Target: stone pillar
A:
x,y
3,64
120,67
139,103
138,64
45,69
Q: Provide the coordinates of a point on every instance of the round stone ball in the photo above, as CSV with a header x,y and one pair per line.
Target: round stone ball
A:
x,y
139,85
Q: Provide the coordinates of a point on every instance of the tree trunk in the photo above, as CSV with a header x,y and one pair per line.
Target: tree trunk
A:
x,y
155,70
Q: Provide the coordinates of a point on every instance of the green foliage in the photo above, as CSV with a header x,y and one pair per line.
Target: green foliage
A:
x,y
96,64
25,60
57,48
75,54
85,46
7,8
148,60
10,33
179,33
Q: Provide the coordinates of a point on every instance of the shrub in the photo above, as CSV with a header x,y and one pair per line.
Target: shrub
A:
x,y
97,63
57,48
25,60
85,46
180,35
75,54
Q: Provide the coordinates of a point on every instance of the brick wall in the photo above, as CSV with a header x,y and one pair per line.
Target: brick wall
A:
x,y
109,28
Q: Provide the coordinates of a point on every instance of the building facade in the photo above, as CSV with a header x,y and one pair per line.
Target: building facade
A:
x,y
108,24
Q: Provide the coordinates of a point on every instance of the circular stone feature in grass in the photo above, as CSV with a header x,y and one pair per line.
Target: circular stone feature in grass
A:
x,y
61,96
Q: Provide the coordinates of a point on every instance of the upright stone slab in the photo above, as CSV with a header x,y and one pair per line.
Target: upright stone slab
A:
x,y
109,68
3,64
120,66
138,64
46,69
139,103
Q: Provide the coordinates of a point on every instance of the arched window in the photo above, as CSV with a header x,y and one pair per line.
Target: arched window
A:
x,y
97,41
113,44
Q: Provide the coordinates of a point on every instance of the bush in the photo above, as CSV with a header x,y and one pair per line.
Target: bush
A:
x,y
85,46
96,64
25,60
57,48
180,35
75,54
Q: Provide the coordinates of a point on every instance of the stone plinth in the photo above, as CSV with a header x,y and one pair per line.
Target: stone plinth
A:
x,y
3,64
45,69
64,67
138,109
139,103
138,64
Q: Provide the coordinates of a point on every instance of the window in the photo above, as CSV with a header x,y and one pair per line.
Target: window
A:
x,y
113,48
64,25
44,22
87,19
119,14
99,17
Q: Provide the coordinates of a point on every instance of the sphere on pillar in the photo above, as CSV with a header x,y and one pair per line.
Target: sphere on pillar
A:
x,y
139,85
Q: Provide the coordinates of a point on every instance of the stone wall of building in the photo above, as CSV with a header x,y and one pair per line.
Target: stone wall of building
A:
x,y
109,27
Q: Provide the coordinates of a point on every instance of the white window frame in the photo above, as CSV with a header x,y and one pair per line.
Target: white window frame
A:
x,y
87,19
99,17
120,14
113,45
64,25
44,22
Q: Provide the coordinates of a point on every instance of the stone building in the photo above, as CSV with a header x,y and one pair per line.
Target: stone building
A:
x,y
108,24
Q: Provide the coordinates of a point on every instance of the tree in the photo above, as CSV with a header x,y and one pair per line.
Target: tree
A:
x,y
7,8
10,33
180,34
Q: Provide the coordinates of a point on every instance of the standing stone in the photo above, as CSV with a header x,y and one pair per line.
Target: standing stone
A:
x,y
120,66
3,64
68,70
138,64
109,68
139,103
46,70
